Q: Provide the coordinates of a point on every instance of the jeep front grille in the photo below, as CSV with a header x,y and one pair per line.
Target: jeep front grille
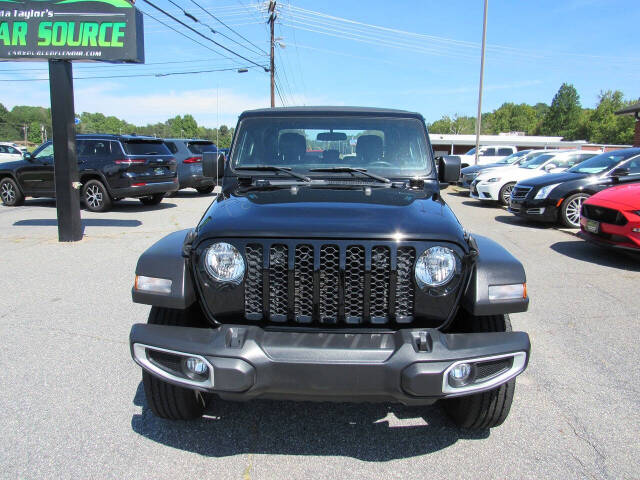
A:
x,y
329,283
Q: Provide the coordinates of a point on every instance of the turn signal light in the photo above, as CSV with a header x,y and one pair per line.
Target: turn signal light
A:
x,y
508,292
152,285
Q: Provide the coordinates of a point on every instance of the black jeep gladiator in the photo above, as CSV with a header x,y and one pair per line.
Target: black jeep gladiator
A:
x,y
335,277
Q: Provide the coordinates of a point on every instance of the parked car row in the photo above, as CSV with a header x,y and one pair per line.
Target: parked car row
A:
x,y
110,167
596,192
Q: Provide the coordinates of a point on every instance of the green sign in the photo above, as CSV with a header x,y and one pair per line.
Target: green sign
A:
x,y
98,30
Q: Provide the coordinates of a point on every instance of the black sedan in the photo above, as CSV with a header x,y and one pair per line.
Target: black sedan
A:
x,y
558,197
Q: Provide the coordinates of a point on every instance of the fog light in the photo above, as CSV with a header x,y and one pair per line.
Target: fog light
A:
x,y
196,366
461,375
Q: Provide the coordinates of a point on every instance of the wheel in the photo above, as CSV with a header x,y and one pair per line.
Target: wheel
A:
x,y
570,210
505,193
205,190
152,200
10,193
96,197
164,399
486,409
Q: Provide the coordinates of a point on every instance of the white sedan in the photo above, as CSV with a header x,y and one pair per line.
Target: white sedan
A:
x,y
496,184
9,153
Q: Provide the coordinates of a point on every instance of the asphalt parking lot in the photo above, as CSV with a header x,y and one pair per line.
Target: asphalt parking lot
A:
x,y
72,406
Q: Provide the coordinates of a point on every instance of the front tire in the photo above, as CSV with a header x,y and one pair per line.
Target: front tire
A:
x,y
205,190
486,409
96,197
10,193
164,399
152,200
570,210
505,193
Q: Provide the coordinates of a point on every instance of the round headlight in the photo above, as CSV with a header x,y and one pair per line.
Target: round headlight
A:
x,y
436,267
224,263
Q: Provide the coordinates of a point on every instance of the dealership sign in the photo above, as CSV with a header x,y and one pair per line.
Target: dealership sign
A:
x,y
98,30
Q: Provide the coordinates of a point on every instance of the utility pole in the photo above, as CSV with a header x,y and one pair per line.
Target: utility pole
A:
x,y
25,129
479,118
272,67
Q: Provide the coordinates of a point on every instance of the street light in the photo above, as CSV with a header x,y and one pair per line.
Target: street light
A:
x,y
479,118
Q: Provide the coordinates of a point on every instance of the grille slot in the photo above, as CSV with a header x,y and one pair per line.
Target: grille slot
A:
x,y
604,215
329,283
253,283
303,281
520,192
329,280
380,272
278,268
404,286
354,284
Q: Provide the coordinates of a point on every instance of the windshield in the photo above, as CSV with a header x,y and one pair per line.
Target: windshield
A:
x,y
603,162
513,157
536,161
201,147
387,146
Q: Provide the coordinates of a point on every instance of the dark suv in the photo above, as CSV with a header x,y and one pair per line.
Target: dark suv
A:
x,y
188,153
340,276
110,167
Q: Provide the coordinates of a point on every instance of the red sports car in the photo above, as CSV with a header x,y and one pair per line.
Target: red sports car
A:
x,y
612,218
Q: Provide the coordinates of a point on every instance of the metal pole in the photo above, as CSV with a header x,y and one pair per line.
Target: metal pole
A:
x,y
479,118
272,66
64,151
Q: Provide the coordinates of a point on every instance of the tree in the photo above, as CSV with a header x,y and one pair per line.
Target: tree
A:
x,y
604,126
563,117
457,125
513,118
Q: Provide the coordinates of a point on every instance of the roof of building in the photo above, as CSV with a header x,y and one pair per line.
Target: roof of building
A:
x,y
635,108
515,140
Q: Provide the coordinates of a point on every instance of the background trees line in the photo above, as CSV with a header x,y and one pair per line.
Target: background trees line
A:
x,y
35,118
565,117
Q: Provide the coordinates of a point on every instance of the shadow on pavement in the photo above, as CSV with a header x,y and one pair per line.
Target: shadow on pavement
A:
x,y
460,193
304,428
130,205
480,204
86,222
522,222
581,250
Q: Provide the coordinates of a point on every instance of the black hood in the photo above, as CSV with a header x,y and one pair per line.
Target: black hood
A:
x,y
13,164
378,212
552,178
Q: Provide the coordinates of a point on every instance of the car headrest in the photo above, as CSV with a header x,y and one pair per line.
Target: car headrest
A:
x,y
369,148
331,156
292,146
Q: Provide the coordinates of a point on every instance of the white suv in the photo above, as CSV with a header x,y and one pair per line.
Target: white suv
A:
x,y
8,152
487,155
496,184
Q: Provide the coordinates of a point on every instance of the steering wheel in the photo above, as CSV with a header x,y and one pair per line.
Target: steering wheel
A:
x,y
381,163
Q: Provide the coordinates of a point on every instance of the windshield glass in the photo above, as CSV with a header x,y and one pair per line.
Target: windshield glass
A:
x,y
603,162
201,147
142,147
537,161
513,157
387,146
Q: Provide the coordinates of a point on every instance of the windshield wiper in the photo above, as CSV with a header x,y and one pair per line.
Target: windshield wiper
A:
x,y
363,171
271,168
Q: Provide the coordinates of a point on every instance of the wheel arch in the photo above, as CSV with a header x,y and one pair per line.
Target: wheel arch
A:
x,y
92,175
10,175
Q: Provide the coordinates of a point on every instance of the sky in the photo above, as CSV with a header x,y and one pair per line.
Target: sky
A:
x,y
416,55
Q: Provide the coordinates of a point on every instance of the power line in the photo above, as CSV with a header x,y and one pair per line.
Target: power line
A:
x,y
157,75
202,35
234,31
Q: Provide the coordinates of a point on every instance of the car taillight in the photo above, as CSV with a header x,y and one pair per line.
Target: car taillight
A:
x,y
192,160
131,161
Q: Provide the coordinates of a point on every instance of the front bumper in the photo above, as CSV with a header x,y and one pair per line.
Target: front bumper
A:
x,y
539,210
485,190
406,366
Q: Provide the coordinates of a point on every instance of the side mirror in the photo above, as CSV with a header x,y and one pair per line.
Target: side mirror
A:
x,y
28,157
620,172
448,169
550,166
213,165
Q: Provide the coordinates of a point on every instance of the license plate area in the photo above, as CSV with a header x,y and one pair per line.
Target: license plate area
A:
x,y
592,226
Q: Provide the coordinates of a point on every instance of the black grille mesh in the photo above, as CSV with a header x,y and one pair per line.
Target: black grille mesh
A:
x,y
404,286
380,270
278,258
489,369
329,283
303,277
253,285
329,279
354,284
604,215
